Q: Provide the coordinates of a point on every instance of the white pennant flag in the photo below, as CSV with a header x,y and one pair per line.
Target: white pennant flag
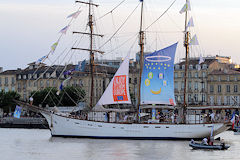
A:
x,y
64,30
190,23
194,40
186,7
74,15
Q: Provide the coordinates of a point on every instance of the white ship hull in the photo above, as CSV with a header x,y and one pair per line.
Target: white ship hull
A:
x,y
68,127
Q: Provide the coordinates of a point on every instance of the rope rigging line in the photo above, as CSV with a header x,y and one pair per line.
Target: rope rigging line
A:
x,y
122,44
110,11
161,15
120,27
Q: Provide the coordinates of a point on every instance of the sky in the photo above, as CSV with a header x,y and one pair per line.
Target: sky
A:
x,y
28,28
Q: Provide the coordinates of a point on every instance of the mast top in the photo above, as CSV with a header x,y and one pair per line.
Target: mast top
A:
x,y
96,5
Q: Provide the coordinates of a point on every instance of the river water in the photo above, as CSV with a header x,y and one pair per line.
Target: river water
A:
x,y
33,144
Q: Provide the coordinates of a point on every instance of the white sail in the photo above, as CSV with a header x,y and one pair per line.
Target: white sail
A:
x,y
117,91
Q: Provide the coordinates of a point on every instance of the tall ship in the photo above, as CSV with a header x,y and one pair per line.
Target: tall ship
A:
x,y
155,90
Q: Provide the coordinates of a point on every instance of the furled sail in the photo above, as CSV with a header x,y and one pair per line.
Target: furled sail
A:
x,y
117,91
157,86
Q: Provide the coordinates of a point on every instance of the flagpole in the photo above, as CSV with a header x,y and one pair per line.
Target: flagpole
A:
x,y
186,45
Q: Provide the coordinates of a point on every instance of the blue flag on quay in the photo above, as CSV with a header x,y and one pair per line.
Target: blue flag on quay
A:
x,y
17,112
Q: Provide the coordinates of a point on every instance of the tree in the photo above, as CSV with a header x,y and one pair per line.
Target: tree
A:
x,y
6,100
69,96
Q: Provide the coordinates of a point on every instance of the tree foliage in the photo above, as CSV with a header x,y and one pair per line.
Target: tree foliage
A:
x,y
69,96
6,100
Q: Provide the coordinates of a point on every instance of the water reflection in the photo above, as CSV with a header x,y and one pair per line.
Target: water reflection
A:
x,y
39,145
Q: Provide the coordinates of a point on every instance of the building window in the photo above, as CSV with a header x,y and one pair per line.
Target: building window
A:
x,y
35,84
228,88
235,78
203,98
183,66
35,76
135,80
196,85
189,85
24,77
29,83
176,85
6,80
219,101
190,66
181,98
219,78
189,74
219,88
47,83
212,100
228,100
203,74
211,88
13,80
189,98
13,88
54,83
235,88
205,66
177,67
19,76
6,89
176,75
228,78
41,83
195,97
47,75
182,74
29,76
211,78
196,74
203,85
198,67
24,85
182,86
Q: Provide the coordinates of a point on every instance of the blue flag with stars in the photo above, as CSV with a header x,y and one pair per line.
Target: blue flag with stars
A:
x,y
157,85
17,112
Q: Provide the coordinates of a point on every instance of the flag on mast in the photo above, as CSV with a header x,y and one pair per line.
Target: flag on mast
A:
x,y
40,60
186,7
54,46
74,15
194,40
190,23
64,30
62,85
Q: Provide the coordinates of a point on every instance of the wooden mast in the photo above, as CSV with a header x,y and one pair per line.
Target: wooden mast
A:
x,y
90,23
91,34
186,45
141,44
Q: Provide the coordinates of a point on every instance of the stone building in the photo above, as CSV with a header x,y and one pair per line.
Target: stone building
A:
x,y
34,78
8,80
223,87
197,82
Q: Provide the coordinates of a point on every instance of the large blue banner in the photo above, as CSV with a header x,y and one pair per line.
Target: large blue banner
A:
x,y
157,85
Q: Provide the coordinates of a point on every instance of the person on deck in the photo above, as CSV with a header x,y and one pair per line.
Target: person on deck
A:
x,y
204,141
212,117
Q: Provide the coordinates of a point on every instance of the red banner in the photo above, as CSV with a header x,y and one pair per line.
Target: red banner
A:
x,y
119,88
